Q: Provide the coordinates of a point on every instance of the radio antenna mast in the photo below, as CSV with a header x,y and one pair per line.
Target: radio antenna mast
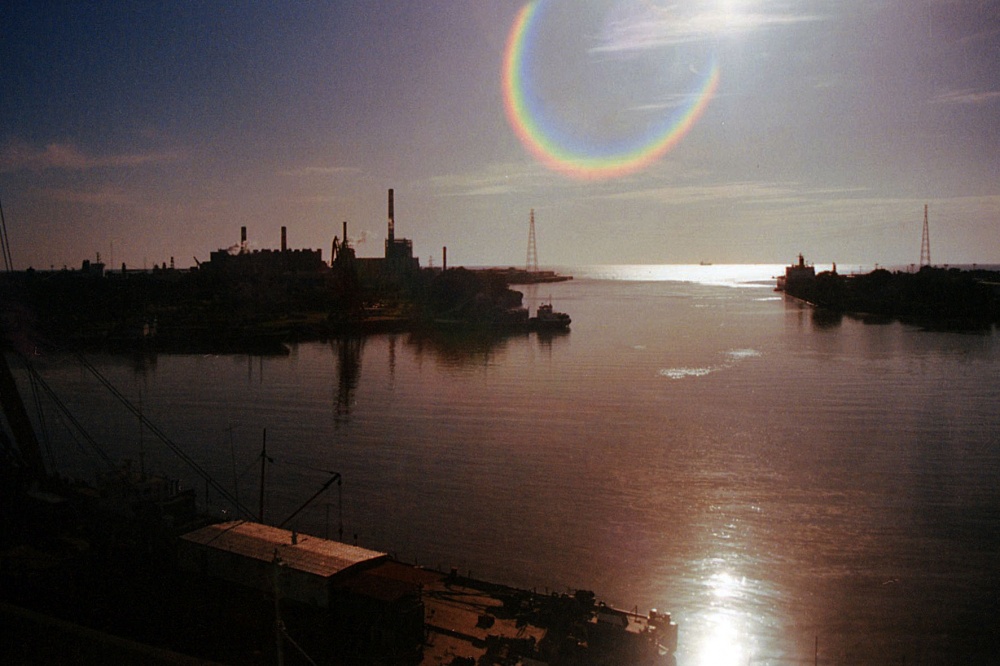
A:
x,y
925,243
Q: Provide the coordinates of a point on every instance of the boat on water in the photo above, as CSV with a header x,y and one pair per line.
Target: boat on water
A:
x,y
547,318
796,274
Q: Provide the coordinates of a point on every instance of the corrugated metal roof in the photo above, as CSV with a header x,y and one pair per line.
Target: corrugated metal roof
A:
x,y
314,555
388,581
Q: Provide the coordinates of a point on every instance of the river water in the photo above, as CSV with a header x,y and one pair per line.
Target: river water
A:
x,y
792,488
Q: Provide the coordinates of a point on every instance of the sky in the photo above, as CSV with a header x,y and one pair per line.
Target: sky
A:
x,y
639,132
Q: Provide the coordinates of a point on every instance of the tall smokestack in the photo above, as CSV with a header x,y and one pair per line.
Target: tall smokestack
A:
x,y
284,239
392,219
243,236
444,258
343,241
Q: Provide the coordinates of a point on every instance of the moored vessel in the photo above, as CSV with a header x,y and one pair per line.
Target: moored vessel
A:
x,y
796,273
547,318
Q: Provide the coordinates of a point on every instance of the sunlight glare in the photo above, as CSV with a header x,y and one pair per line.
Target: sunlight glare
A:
x,y
731,16
723,585
721,644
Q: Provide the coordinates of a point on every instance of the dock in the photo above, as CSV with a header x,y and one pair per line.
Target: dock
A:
x,y
513,275
475,622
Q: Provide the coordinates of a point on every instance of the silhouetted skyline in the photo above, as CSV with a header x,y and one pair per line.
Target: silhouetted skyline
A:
x,y
148,131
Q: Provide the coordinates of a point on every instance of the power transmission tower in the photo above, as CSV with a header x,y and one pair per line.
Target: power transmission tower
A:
x,y
532,262
925,243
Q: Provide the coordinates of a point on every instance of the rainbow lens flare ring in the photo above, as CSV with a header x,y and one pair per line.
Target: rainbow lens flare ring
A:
x,y
577,161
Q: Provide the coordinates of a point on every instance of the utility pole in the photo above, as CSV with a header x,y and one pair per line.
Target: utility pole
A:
x,y
925,243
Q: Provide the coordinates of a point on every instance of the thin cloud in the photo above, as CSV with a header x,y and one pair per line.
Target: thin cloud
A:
x,y
651,27
668,102
988,34
315,199
496,180
105,195
490,190
967,96
19,156
698,194
320,171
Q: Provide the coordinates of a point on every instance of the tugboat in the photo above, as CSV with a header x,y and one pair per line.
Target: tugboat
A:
x,y
548,319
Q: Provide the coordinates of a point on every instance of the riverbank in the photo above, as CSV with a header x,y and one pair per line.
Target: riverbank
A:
x,y
259,313
936,297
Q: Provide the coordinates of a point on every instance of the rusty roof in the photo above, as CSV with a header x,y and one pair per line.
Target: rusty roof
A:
x,y
310,554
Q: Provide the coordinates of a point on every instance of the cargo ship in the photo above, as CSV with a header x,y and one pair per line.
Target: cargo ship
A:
x,y
796,274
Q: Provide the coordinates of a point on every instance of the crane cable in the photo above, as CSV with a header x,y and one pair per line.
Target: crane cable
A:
x,y
198,469
36,398
61,406
5,242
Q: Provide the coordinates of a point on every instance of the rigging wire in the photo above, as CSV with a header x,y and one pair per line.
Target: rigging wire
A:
x,y
159,434
63,411
284,632
329,482
36,398
61,406
73,435
5,242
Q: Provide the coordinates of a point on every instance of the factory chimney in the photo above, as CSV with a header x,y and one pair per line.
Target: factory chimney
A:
x,y
444,258
392,219
344,239
243,239
284,239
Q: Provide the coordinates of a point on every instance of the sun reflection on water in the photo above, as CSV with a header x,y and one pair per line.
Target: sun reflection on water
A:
x,y
726,275
725,637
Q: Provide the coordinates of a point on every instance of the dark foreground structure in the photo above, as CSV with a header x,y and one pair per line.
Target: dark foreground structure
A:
x,y
931,296
246,593
127,571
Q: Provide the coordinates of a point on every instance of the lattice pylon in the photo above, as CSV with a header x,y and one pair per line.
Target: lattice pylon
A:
x,y
531,264
925,243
